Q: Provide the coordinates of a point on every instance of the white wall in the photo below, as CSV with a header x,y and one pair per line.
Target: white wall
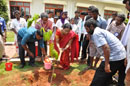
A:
x,y
101,6
71,7
36,7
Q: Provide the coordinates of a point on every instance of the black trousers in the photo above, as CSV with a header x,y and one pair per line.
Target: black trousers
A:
x,y
84,47
81,41
102,78
39,48
31,46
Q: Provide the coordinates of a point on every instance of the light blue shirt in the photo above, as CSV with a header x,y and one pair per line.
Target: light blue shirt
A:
x,y
29,35
101,22
102,37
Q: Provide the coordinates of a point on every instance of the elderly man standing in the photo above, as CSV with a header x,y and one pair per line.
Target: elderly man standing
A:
x,y
17,24
43,22
117,27
101,22
114,54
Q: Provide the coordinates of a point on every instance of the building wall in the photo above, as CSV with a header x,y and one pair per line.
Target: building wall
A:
x,y
7,1
38,6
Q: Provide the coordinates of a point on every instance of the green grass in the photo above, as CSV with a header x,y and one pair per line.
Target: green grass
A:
x,y
76,67
10,36
16,68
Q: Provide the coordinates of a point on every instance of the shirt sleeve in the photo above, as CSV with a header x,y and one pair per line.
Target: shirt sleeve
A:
x,y
109,27
37,26
99,40
50,25
25,23
12,25
104,24
41,42
58,23
25,38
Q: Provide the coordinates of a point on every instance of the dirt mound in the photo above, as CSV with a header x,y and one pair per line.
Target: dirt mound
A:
x,y
43,78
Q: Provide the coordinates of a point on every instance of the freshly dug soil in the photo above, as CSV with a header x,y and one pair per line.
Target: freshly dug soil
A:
x,y
42,78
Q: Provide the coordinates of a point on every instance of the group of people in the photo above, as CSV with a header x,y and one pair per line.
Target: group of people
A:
x,y
87,34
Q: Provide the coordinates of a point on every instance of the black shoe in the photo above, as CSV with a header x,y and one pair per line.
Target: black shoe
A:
x,y
21,66
5,56
88,64
0,59
82,59
33,65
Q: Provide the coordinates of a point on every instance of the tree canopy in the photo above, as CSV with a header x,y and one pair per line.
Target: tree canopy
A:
x,y
3,10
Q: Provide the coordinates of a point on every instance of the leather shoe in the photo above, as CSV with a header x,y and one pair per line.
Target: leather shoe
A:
x,y
33,65
21,66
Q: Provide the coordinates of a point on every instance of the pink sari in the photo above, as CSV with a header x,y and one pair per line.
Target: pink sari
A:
x,y
73,50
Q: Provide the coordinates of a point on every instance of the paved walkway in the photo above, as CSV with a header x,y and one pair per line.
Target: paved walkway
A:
x,y
10,50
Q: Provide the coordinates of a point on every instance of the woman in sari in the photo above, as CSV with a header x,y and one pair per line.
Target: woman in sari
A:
x,y
66,41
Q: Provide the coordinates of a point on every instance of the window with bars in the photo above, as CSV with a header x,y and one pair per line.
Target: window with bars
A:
x,y
108,14
23,7
54,8
82,9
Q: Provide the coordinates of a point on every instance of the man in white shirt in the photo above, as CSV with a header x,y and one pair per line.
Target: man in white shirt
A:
x,y
50,16
126,42
17,24
81,29
114,54
74,26
117,27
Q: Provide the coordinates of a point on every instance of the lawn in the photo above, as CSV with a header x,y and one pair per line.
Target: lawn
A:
x,y
10,36
38,76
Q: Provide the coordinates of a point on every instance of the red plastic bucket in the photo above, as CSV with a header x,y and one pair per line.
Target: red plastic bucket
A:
x,y
8,66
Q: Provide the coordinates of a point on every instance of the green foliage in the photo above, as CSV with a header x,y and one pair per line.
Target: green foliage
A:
x,y
53,52
3,10
46,35
30,21
126,21
54,75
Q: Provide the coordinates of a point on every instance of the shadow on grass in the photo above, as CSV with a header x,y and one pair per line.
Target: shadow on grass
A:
x,y
77,67
28,68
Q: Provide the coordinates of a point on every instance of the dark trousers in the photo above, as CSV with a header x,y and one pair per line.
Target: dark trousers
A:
x,y
80,42
84,47
102,78
31,46
39,48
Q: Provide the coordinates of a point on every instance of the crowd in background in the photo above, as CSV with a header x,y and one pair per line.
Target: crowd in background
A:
x,y
70,35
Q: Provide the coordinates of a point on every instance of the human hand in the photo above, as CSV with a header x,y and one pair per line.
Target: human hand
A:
x,y
107,68
125,62
88,37
61,49
4,38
